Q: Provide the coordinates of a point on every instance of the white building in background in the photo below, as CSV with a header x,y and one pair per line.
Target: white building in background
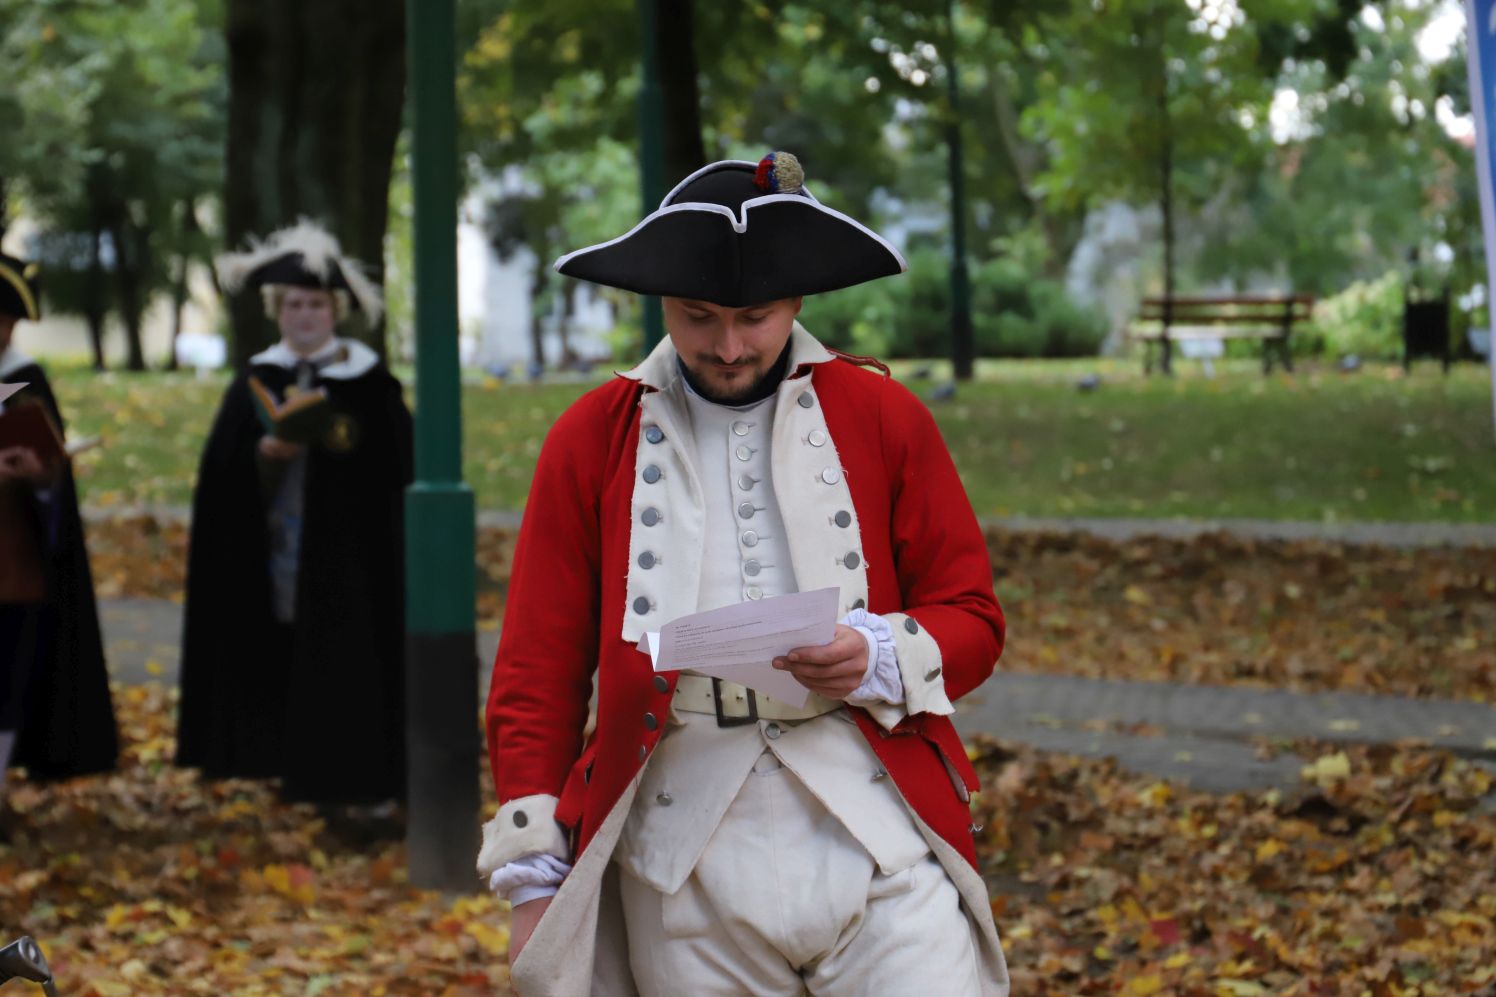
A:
x,y
494,306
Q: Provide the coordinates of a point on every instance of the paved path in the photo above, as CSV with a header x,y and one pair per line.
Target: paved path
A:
x,y
1200,735
1406,535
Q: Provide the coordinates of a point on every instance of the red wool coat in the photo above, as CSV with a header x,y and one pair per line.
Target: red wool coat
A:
x,y
925,556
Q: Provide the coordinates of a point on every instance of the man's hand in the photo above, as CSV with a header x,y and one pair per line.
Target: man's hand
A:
x,y
21,464
833,670
522,921
277,449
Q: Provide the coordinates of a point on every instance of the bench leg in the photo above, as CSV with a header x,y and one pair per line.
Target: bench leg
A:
x,y
1267,358
1168,360
1287,355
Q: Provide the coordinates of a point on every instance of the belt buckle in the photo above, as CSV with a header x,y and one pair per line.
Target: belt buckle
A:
x,y
725,721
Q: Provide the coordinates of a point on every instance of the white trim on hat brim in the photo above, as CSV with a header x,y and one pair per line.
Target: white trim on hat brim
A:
x,y
738,221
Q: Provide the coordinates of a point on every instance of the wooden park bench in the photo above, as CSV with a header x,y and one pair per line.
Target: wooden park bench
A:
x,y
1204,322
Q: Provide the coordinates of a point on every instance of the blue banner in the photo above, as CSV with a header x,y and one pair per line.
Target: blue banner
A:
x,y
1480,18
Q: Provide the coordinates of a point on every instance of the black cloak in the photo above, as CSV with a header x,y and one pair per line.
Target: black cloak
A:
x,y
318,703
67,726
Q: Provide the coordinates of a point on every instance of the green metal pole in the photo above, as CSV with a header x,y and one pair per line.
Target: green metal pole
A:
x,y
962,347
651,147
443,743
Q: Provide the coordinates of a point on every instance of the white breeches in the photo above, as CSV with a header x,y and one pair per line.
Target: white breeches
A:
x,y
785,902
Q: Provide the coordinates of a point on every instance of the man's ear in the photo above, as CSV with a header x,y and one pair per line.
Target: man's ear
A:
x,y
799,303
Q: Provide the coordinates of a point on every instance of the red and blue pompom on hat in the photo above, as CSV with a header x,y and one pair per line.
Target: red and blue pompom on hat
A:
x,y
737,233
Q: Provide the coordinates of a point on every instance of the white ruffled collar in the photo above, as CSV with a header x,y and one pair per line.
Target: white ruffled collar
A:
x,y
357,361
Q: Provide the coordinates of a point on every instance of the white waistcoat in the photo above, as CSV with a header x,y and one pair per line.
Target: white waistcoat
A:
x,y
699,768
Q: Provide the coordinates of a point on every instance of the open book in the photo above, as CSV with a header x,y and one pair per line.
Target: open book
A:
x,y
302,418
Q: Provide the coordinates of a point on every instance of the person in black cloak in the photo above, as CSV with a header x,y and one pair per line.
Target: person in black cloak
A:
x,y
293,644
55,712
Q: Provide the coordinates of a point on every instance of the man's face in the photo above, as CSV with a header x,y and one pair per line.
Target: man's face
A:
x,y
7,329
729,351
306,319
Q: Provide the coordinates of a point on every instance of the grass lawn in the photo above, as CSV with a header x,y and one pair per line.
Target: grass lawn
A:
x,y
1314,445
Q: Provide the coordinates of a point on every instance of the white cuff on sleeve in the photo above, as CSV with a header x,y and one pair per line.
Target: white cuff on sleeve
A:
x,y
525,826
920,666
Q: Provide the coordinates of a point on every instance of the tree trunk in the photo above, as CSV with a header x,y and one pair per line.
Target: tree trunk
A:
x,y
537,318
95,306
179,293
129,244
316,92
675,34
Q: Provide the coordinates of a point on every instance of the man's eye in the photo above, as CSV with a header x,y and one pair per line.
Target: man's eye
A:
x,y
754,319
698,318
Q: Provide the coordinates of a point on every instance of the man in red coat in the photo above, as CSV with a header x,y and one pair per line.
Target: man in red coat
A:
x,y
705,838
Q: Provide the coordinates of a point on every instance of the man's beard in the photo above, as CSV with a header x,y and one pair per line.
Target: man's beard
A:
x,y
745,385
753,387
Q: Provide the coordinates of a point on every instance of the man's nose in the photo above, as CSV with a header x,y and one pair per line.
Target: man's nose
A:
x,y
730,346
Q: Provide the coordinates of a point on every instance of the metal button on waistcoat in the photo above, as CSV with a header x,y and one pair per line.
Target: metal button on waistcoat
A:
x,y
879,774
661,683
650,723
521,818
651,474
746,481
747,509
654,434
932,674
911,624
750,539
816,438
754,592
743,453
664,799
641,605
860,604
831,475
751,568
647,560
773,731
852,560
649,517
843,519
805,401
740,428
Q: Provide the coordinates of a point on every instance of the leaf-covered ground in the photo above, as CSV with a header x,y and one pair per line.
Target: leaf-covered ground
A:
x,y
1378,877
1306,616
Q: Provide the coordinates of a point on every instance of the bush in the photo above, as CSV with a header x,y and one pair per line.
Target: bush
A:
x,y
1014,313
1364,319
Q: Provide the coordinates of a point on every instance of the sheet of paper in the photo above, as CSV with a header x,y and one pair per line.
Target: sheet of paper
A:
x,y
6,390
739,643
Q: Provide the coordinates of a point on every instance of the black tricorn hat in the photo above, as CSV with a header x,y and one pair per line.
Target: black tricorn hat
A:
x,y
18,295
737,234
303,255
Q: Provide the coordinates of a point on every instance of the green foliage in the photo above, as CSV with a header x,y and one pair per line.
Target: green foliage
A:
x,y
115,128
1016,313
1365,319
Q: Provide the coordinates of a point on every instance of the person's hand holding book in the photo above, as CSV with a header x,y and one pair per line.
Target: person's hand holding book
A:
x,y
275,448
22,464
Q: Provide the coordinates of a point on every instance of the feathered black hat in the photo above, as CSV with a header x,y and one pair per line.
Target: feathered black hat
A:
x,y
303,255
18,295
736,234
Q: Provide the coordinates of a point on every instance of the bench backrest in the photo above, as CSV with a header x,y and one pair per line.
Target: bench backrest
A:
x,y
1282,310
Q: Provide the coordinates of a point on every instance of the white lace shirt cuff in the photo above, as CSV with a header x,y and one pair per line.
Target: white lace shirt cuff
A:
x,y
883,683
529,877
